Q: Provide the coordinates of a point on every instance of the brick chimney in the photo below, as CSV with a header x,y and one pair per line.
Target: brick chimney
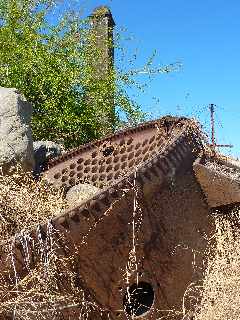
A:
x,y
101,61
102,25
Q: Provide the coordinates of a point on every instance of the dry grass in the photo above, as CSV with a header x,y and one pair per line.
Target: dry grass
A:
x,y
220,291
26,203
51,287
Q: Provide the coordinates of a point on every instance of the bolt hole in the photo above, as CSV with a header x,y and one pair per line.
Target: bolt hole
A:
x,y
72,166
64,179
87,169
87,162
108,151
94,154
80,160
137,145
57,175
130,141
94,162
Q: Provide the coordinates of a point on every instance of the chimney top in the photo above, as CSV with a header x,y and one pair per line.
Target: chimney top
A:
x,y
103,11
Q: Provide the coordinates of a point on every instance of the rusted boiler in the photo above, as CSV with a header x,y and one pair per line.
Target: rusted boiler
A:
x,y
140,241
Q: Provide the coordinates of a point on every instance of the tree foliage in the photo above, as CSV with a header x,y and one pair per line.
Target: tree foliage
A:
x,y
48,62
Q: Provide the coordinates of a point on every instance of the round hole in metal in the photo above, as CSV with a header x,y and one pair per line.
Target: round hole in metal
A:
x,y
152,146
117,175
94,154
109,177
57,175
72,181
115,152
117,166
122,150
109,168
101,161
64,178
87,162
64,186
80,160
131,163
145,142
94,161
101,169
116,159
124,157
131,155
144,150
94,178
138,145
123,166
146,157
102,177
158,137
138,299
138,161
108,151
129,149
87,169
94,169
72,173
72,165
130,141
160,142
109,160
122,142
138,153
152,139
79,175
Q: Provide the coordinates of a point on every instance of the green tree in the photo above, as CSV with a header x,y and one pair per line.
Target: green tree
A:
x,y
50,65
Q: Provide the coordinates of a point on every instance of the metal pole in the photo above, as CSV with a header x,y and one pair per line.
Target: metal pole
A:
x,y
214,144
213,125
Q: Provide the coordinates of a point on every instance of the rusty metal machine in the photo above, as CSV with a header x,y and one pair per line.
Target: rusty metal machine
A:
x,y
136,239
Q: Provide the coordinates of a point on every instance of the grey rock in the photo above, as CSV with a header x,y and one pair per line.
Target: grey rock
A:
x,y
80,192
44,151
16,145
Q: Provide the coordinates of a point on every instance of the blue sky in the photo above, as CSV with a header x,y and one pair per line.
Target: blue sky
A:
x,y
204,37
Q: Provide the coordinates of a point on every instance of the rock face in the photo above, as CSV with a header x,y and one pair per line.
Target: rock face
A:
x,y
44,151
16,145
80,192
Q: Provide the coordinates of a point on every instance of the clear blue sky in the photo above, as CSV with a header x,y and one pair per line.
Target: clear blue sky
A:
x,y
204,37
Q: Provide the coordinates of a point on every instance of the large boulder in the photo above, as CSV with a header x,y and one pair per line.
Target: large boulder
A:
x,y
44,151
80,192
16,145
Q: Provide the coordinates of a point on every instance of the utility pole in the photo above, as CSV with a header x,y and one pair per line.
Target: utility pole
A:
x,y
213,144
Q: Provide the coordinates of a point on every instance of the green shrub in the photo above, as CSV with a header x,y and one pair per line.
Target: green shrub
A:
x,y
51,65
